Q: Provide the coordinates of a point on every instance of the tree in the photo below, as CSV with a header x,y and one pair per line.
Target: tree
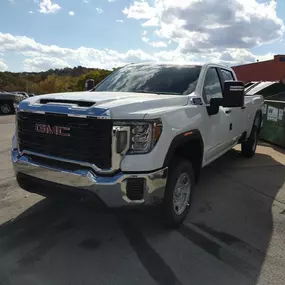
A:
x,y
53,80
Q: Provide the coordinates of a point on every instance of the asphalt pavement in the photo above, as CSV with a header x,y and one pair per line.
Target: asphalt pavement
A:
x,y
233,235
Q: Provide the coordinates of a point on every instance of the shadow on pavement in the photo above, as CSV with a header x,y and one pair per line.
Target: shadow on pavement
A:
x,y
227,234
275,147
234,203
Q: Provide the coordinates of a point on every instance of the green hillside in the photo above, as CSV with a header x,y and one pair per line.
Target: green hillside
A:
x,y
53,80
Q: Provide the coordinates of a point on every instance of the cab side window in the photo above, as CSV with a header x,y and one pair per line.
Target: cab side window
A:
x,y
227,75
212,85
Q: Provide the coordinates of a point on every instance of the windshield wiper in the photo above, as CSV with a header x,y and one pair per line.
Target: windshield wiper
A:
x,y
169,93
152,92
142,91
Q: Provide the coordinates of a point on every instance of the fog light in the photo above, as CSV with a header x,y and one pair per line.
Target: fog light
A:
x,y
135,188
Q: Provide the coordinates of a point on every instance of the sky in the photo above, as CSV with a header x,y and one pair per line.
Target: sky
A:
x,y
37,35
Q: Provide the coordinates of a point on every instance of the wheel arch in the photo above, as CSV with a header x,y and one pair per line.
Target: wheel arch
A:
x,y
188,145
258,114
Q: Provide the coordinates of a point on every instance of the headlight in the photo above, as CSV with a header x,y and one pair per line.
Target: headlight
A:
x,y
141,138
143,135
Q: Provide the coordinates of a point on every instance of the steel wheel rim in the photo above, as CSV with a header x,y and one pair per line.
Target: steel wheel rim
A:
x,y
181,193
5,109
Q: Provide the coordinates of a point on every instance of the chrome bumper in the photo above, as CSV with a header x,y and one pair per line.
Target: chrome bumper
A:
x,y
111,189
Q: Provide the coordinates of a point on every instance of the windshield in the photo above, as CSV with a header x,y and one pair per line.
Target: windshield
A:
x,y
157,78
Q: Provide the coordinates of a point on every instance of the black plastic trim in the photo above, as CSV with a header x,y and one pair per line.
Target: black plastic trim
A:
x,y
180,140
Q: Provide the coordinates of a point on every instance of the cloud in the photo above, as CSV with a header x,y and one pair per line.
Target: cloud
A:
x,y
23,44
37,56
31,12
119,21
43,63
241,24
71,13
154,22
158,44
140,10
145,39
3,66
99,10
11,1
48,7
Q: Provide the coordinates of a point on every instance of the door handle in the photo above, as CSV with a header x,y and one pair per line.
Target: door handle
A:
x,y
228,111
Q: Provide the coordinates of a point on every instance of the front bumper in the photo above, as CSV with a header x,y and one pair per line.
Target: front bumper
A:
x,y
112,190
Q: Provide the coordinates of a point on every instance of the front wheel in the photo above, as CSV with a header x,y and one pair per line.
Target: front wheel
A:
x,y
178,192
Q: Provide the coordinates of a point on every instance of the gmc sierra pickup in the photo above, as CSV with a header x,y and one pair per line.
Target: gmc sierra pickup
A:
x,y
141,136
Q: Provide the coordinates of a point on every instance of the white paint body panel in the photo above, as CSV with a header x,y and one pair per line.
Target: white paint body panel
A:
x,y
122,105
178,115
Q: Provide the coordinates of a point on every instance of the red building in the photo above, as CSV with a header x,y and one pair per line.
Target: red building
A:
x,y
270,70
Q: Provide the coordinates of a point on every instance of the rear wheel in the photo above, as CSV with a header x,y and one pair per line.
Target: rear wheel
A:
x,y
6,108
178,192
248,147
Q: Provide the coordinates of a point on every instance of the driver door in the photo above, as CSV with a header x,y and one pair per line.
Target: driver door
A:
x,y
237,117
218,139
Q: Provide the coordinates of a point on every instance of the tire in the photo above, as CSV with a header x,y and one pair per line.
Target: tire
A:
x,y
6,108
180,170
248,147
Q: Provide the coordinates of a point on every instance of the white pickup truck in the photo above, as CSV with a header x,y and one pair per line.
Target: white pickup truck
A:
x,y
141,136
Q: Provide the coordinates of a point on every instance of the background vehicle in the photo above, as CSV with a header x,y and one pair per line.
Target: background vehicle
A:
x,y
26,95
141,136
8,101
270,90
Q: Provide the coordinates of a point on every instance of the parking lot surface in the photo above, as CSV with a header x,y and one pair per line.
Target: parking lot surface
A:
x,y
234,233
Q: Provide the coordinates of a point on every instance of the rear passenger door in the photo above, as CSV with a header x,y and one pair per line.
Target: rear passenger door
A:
x,y
237,114
218,139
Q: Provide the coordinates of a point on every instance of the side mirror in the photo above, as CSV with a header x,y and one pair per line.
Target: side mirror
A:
x,y
89,84
233,94
214,106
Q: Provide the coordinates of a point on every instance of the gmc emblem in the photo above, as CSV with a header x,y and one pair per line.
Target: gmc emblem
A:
x,y
55,130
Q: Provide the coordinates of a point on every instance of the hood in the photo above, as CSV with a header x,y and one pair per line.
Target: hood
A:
x,y
117,105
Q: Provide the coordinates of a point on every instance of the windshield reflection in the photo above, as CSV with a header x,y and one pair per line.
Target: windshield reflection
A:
x,y
152,78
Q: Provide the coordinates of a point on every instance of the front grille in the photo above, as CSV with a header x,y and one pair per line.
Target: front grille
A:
x,y
89,141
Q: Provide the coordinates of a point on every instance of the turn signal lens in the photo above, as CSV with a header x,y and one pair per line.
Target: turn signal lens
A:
x,y
157,131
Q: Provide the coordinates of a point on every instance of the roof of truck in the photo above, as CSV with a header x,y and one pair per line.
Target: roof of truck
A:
x,y
166,63
182,63
177,63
